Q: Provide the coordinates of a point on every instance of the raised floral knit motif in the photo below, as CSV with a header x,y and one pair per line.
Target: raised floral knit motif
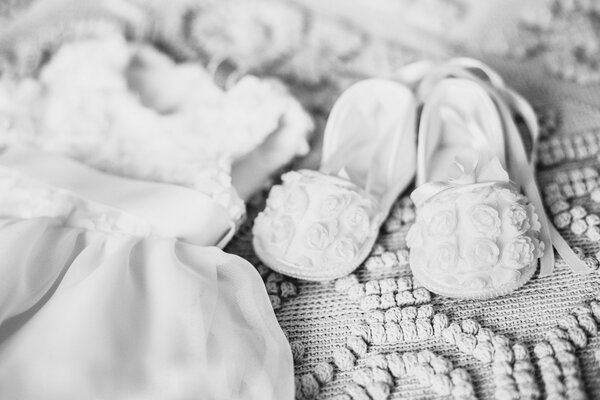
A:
x,y
557,150
513,372
308,385
375,381
557,357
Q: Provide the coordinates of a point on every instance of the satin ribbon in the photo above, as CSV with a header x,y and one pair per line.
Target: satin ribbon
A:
x,y
520,163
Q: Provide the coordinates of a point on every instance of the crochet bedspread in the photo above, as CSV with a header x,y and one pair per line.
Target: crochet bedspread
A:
x,y
377,334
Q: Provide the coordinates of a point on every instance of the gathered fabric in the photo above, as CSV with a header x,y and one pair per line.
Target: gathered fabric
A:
x,y
90,313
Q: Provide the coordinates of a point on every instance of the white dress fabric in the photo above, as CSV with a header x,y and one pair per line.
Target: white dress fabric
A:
x,y
101,299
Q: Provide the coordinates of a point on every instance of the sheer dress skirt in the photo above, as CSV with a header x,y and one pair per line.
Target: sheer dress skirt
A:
x,y
109,292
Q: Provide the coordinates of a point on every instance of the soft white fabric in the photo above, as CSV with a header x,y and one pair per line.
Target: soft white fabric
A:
x,y
96,304
86,315
130,110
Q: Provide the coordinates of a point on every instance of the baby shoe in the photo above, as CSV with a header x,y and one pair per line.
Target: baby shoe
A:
x,y
321,225
476,235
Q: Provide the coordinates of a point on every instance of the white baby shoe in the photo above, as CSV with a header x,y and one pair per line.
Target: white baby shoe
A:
x,y
320,225
476,235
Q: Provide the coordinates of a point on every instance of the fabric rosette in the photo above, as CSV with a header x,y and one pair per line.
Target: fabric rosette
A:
x,y
316,227
475,239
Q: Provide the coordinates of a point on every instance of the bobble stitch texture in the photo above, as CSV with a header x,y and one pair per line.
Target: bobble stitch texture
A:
x,y
393,314
409,313
396,365
363,376
357,392
298,387
421,295
409,330
375,316
403,257
378,390
275,301
441,384
323,372
388,286
342,285
343,358
463,387
263,270
310,386
374,263
372,287
586,320
425,311
361,330
484,351
387,301
524,374
404,283
372,302
389,259
513,374
424,328
451,333
297,351
356,292
288,289
393,333
469,326
382,375
405,298
466,342
563,368
376,361
378,336
550,371
440,322
275,277
357,345
429,369
410,360
570,324
272,287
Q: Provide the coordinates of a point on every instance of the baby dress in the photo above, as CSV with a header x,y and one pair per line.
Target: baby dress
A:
x,y
111,289
112,285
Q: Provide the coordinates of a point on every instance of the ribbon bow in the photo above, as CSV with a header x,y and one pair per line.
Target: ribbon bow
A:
x,y
473,175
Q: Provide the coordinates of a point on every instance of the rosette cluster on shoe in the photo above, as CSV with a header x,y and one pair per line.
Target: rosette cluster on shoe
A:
x,y
475,239
316,227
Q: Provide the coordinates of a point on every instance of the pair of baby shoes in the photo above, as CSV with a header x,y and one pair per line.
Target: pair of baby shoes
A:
x,y
480,226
